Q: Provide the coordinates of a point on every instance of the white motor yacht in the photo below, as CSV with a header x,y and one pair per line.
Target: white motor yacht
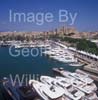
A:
x,y
86,88
70,91
83,78
61,55
80,81
47,92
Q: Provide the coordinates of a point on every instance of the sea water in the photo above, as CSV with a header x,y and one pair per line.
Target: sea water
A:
x,y
25,66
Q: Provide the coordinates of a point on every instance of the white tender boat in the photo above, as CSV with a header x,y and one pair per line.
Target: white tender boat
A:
x,y
76,64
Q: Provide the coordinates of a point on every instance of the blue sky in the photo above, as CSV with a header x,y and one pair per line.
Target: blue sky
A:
x,y
87,18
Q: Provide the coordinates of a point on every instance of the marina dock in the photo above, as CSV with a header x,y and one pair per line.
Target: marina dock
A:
x,y
93,67
82,59
90,60
59,72
94,77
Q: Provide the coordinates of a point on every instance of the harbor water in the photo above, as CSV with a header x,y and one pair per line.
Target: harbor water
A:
x,y
39,65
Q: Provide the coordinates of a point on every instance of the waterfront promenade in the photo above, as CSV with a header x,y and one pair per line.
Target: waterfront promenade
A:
x,y
90,60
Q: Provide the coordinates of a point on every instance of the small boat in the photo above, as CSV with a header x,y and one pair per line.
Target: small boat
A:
x,y
47,92
76,64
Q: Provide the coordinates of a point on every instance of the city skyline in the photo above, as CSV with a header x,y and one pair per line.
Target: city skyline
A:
x,y
86,19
